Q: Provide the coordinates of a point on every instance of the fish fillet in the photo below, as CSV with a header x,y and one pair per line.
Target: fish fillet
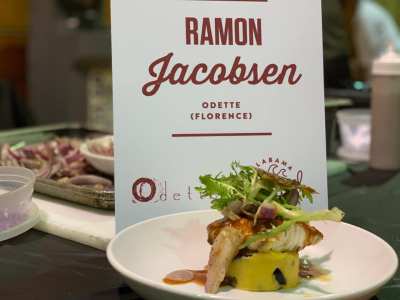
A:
x,y
296,238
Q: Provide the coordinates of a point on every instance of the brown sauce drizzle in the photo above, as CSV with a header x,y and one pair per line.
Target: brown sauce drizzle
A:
x,y
186,276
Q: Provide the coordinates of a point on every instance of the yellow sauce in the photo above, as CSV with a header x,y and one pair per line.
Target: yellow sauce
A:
x,y
324,278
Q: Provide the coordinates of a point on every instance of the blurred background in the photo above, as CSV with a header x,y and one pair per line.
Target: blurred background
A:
x,y
55,62
55,58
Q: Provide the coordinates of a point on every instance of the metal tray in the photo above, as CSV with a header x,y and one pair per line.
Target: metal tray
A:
x,y
69,192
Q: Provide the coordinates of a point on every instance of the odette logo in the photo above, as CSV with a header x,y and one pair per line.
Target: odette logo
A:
x,y
144,189
151,190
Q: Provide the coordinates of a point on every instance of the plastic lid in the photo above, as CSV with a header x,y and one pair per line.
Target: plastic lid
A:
x,y
354,114
388,63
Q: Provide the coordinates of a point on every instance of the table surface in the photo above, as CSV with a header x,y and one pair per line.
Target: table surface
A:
x,y
39,266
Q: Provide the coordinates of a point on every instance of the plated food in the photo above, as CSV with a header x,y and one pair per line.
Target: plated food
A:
x,y
256,244
59,159
102,146
99,153
145,252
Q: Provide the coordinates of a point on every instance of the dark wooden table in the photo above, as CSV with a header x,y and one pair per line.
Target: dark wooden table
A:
x,y
39,266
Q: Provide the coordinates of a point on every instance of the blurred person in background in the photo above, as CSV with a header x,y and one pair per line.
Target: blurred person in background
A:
x,y
375,29
337,41
355,32
392,6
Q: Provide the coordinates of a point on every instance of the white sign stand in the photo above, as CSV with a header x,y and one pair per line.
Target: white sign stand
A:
x,y
199,84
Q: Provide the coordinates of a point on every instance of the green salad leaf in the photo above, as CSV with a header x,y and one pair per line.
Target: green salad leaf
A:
x,y
250,185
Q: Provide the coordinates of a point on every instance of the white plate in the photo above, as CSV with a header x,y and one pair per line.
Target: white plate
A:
x,y
360,262
30,222
102,163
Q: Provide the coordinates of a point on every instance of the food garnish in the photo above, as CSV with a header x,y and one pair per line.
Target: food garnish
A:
x,y
255,245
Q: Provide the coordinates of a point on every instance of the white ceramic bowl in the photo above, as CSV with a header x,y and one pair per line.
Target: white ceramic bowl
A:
x,y
360,262
102,163
17,211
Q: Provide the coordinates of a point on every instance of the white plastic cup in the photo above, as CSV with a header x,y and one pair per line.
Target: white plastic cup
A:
x,y
355,130
16,189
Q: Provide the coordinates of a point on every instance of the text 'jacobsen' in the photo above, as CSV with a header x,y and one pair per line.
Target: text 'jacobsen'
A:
x,y
219,32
